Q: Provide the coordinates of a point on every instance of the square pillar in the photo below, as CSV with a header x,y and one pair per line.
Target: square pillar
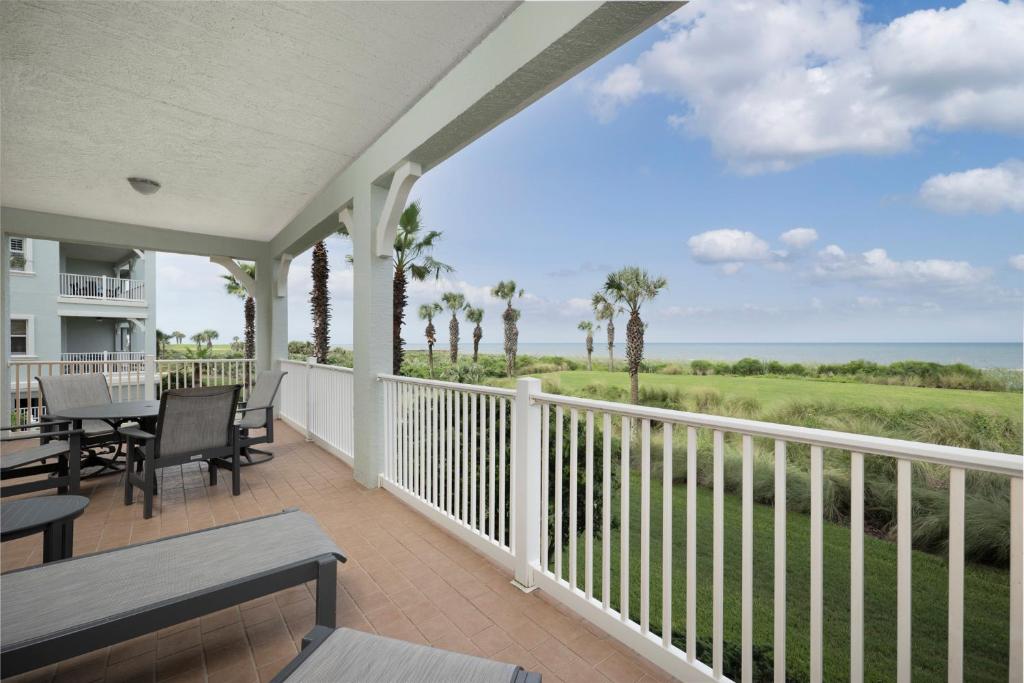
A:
x,y
271,313
5,330
372,280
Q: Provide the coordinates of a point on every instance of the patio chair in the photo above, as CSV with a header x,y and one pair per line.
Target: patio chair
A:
x,y
194,425
61,392
62,609
59,460
348,656
258,413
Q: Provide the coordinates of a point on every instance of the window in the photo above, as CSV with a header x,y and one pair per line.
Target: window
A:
x,y
21,336
19,254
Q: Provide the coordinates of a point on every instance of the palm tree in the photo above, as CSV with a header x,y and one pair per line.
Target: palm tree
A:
x,y
476,316
209,336
455,303
633,286
161,341
198,338
588,327
178,336
236,345
412,259
507,291
235,288
606,310
319,301
427,312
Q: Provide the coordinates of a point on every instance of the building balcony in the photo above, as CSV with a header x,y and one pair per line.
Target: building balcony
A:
x,y
102,288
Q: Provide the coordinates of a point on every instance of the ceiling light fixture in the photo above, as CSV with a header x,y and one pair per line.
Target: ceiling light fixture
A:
x,y
144,185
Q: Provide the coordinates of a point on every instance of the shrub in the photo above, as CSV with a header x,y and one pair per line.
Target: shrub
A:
x,y
701,367
747,367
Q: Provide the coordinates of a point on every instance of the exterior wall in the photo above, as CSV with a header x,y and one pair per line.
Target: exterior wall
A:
x,y
34,294
70,327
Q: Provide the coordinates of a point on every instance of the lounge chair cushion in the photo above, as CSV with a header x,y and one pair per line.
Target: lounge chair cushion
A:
x,y
349,656
30,455
44,600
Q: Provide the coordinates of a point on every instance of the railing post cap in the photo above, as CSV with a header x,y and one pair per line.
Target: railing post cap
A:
x,y
310,360
531,385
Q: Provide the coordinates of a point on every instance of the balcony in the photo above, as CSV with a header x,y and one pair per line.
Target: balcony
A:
x,y
102,288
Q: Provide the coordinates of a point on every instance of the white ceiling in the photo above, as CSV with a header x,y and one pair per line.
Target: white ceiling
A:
x,y
243,111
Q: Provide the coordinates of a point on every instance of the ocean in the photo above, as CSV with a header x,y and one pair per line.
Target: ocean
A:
x,y
979,355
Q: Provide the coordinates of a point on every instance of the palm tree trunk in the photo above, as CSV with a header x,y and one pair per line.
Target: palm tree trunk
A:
x,y
400,299
430,359
477,335
453,339
511,341
250,327
319,302
634,353
611,345
590,351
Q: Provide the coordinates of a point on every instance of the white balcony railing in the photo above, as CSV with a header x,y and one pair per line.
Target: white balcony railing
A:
x,y
129,379
102,287
104,356
505,470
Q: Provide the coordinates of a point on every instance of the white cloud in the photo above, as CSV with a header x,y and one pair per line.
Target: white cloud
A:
x,y
778,82
728,247
799,238
875,267
985,190
1017,261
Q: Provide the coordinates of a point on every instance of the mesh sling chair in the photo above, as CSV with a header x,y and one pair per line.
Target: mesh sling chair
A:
x,y
61,392
194,425
258,413
59,458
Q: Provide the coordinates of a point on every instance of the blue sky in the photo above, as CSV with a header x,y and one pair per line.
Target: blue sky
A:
x,y
885,141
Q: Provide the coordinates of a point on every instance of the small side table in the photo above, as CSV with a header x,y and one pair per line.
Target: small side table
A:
x,y
53,515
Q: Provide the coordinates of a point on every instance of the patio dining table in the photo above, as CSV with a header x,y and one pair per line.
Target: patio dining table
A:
x,y
115,415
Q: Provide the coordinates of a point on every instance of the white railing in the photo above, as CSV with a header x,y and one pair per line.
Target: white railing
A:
x,y
318,400
449,448
128,380
586,482
101,287
104,356
206,372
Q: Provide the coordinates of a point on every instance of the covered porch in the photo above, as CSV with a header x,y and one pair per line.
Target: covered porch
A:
x,y
405,578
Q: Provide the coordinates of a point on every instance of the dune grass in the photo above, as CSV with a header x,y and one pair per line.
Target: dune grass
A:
x,y
775,392
986,592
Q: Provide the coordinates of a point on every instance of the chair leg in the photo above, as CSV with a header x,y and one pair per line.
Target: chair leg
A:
x,y
150,483
213,472
129,492
236,473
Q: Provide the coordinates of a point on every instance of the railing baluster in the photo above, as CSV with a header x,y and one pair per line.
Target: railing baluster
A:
x,y
856,567
817,465
624,477
482,466
435,443
718,584
559,417
955,627
491,522
691,544
747,573
606,513
780,563
472,460
588,522
904,536
574,529
1016,587
449,453
645,526
545,491
666,538
465,480
502,406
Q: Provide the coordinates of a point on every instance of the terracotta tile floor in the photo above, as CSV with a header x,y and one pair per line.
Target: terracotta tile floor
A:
x,y
405,578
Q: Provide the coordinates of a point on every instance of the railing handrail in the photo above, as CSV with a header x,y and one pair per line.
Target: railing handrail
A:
x,y
951,456
130,289
457,386
205,360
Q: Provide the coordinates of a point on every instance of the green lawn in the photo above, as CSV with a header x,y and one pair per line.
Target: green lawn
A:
x,y
773,392
986,593
189,346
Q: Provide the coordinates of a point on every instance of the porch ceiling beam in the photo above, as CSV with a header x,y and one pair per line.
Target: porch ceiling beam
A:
x,y
51,226
231,265
538,47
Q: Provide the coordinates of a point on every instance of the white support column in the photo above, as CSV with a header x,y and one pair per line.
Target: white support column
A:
x,y
149,377
271,313
526,482
5,330
371,334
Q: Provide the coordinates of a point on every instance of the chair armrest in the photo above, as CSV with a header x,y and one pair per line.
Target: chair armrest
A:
x,y
24,437
51,422
136,433
246,410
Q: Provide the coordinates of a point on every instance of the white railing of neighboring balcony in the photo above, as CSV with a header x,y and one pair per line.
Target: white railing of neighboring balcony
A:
x,y
104,356
102,287
128,379
318,391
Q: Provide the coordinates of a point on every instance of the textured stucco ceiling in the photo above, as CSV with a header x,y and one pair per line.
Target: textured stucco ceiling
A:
x,y
242,111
